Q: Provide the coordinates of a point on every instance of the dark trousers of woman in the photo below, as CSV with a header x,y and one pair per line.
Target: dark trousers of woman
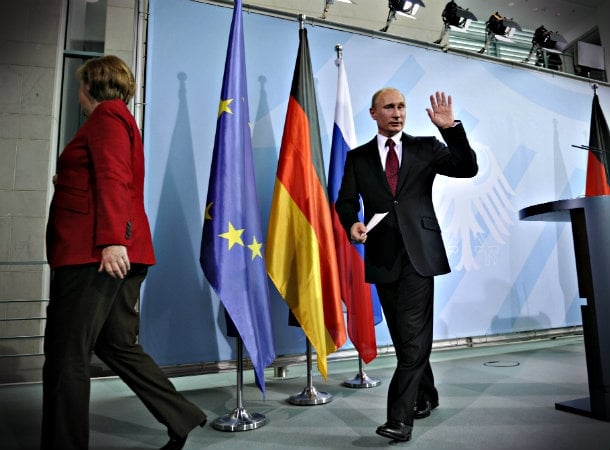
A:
x,y
91,311
408,306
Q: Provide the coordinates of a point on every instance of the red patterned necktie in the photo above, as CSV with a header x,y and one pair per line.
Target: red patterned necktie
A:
x,y
391,166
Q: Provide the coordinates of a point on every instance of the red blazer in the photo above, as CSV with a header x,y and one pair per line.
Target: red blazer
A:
x,y
99,192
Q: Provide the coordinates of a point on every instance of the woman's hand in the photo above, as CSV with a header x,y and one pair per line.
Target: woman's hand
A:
x,y
115,261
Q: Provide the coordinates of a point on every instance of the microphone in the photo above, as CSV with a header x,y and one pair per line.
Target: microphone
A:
x,y
593,149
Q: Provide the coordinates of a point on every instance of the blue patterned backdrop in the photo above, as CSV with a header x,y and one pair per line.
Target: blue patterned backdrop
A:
x,y
507,276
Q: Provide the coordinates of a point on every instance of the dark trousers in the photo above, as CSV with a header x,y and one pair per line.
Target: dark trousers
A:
x,y
91,311
408,309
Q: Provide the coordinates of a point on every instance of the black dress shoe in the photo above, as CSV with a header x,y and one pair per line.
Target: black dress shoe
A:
x,y
393,429
176,442
422,409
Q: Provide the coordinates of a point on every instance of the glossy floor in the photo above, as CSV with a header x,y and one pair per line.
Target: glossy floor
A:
x,y
496,397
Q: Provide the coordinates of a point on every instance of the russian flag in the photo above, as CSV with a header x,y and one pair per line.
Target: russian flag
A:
x,y
360,298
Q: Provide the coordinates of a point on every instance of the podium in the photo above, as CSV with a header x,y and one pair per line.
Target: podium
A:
x,y
590,217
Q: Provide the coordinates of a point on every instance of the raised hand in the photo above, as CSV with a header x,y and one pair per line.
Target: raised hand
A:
x,y
441,110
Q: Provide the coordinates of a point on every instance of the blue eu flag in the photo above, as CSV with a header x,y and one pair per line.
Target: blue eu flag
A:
x,y
232,254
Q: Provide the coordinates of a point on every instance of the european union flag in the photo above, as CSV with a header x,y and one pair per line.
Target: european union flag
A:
x,y
232,241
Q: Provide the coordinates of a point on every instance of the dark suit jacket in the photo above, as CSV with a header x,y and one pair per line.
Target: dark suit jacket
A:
x,y
411,224
99,192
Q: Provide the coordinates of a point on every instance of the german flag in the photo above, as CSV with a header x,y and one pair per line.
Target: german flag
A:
x,y
598,171
300,252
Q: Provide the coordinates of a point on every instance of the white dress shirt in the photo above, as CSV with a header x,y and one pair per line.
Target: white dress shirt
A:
x,y
383,148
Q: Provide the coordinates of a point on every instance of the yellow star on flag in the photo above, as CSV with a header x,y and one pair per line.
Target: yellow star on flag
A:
x,y
255,247
207,215
233,236
224,106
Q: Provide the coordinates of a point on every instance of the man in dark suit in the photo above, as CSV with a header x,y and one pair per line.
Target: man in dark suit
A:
x,y
394,173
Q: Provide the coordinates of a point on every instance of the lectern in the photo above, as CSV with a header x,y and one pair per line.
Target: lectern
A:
x,y
590,217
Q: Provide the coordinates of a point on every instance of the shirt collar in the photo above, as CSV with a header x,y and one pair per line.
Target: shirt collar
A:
x,y
381,140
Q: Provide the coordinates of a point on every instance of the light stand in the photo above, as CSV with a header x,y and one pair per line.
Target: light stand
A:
x,y
545,42
328,3
407,8
310,395
455,18
239,419
499,28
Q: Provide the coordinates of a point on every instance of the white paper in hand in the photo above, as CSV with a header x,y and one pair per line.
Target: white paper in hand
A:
x,y
375,220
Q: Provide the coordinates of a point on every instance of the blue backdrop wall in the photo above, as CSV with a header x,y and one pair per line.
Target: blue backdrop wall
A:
x,y
507,275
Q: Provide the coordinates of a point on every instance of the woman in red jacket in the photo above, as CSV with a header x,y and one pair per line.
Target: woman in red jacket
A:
x,y
99,248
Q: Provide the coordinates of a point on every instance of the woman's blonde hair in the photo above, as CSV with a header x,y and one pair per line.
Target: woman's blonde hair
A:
x,y
108,78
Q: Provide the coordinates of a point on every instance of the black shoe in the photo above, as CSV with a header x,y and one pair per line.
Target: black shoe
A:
x,y
176,442
422,409
393,429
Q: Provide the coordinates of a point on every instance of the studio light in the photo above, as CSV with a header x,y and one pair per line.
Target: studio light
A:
x,y
328,3
499,28
455,18
407,8
547,46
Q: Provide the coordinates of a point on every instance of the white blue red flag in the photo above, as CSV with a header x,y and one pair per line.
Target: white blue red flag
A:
x,y
360,298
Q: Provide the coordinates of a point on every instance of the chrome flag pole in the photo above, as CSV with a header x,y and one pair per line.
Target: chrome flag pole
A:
x,y
361,379
240,419
310,395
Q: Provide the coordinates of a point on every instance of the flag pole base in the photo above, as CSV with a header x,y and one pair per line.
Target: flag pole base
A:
x,y
310,396
239,420
362,380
